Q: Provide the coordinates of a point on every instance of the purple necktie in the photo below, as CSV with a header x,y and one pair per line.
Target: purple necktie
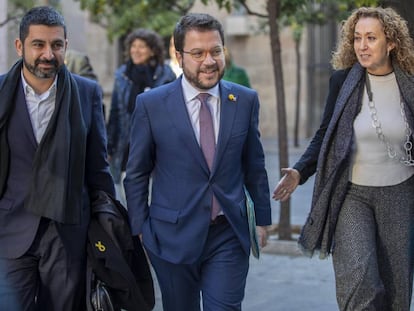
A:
x,y
207,141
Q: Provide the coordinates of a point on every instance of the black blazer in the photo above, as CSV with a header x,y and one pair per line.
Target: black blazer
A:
x,y
18,227
306,165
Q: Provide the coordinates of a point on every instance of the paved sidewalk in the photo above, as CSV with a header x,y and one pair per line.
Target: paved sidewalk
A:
x,y
280,282
283,279
286,283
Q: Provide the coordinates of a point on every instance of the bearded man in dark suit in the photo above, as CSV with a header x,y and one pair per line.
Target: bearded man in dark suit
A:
x,y
52,157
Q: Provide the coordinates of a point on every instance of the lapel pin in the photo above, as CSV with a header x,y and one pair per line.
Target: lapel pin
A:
x,y
232,97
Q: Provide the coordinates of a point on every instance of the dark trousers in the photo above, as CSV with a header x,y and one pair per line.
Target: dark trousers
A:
x,y
44,278
219,276
374,248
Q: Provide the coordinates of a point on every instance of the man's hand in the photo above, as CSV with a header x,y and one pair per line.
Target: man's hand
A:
x,y
261,235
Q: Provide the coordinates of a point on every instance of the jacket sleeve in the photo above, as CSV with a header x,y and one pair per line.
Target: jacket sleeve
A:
x,y
139,167
113,124
97,167
256,180
308,162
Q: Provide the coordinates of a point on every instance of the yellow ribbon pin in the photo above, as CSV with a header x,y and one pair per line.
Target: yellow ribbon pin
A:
x,y
100,246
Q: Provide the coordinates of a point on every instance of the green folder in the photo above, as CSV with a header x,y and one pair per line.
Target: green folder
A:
x,y
251,217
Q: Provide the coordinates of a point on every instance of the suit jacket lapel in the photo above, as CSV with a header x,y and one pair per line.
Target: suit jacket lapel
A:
x,y
23,112
227,114
177,110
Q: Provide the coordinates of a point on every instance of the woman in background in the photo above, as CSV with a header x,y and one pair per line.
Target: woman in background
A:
x,y
144,69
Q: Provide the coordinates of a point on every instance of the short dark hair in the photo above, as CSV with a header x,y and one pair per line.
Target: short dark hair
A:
x,y
41,15
151,38
195,21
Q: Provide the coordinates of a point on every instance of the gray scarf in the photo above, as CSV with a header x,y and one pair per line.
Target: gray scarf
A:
x,y
59,163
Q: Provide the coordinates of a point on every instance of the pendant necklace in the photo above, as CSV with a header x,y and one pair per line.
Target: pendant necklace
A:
x,y
407,158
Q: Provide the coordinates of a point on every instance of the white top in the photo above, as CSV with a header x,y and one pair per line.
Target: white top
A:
x,y
371,165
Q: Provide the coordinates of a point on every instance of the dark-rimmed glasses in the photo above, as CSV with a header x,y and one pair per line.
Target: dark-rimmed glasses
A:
x,y
200,55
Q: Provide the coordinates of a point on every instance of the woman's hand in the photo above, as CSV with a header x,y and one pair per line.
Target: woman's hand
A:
x,y
287,184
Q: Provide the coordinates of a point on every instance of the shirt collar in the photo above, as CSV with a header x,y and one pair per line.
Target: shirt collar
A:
x,y
190,92
28,89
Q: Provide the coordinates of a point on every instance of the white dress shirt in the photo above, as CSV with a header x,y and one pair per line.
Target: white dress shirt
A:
x,y
40,107
193,106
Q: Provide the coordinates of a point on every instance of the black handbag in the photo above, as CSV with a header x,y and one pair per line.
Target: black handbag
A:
x,y
100,298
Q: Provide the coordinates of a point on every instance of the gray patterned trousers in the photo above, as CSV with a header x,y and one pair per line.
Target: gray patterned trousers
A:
x,y
373,254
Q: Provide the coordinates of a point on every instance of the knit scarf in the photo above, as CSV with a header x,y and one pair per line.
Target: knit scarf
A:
x,y
55,190
141,77
332,171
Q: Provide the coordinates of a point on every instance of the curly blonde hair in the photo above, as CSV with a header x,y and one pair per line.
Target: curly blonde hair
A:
x,y
395,29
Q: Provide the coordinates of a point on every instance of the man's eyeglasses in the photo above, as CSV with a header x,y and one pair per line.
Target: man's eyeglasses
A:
x,y
201,55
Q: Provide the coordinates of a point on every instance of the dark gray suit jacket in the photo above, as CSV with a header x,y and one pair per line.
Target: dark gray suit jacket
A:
x,y
17,226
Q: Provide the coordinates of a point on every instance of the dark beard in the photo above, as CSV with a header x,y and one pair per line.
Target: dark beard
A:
x,y
35,70
199,84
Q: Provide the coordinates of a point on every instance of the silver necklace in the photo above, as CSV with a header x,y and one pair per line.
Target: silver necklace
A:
x,y
407,158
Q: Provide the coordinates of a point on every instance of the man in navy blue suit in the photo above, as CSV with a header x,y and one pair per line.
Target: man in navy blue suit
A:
x,y
193,221
52,157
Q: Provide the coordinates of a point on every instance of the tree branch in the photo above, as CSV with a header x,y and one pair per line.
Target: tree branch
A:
x,y
10,18
182,9
251,12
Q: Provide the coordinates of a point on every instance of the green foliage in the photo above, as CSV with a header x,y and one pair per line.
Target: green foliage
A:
x,y
297,13
16,10
343,8
360,3
22,4
119,17
222,4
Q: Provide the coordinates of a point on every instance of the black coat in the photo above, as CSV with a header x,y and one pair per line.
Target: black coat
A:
x,y
116,258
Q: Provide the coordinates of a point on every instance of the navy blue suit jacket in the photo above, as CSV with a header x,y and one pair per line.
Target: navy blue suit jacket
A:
x,y
165,151
18,227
